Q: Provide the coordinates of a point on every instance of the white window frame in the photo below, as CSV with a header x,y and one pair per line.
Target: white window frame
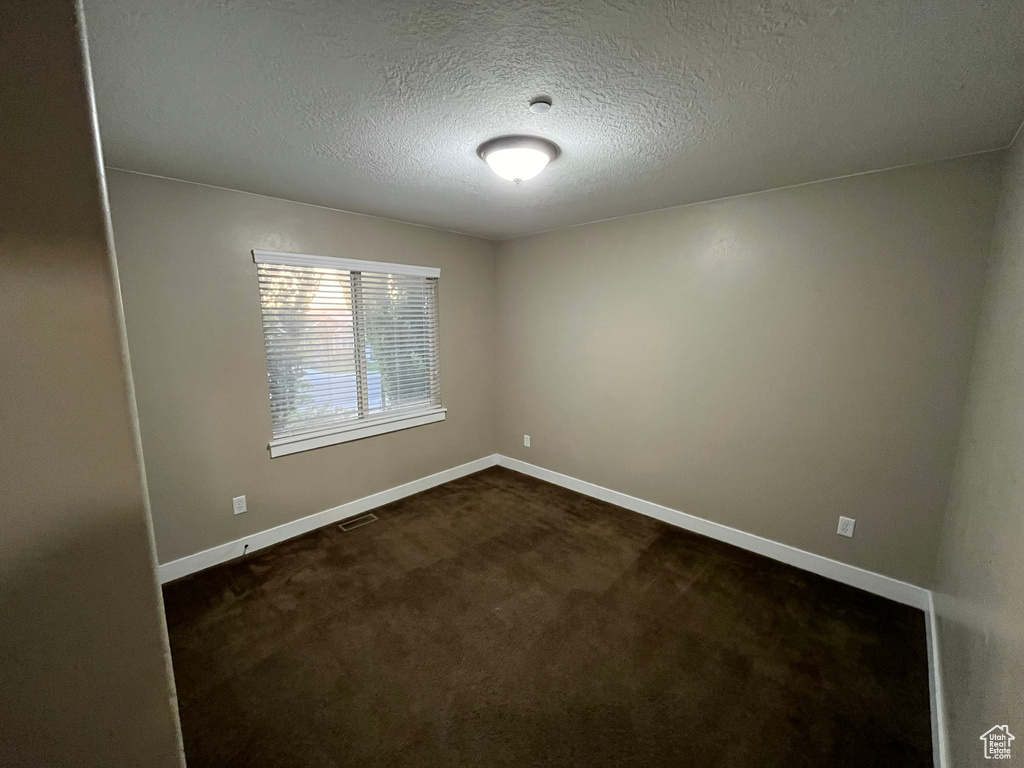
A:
x,y
364,427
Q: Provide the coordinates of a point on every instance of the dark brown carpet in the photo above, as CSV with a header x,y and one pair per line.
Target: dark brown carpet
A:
x,y
501,621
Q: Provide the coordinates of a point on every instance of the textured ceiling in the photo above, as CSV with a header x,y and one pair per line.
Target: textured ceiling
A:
x,y
378,106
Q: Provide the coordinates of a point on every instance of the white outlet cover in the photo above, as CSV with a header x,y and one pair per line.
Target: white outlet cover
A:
x,y
526,440
846,525
238,504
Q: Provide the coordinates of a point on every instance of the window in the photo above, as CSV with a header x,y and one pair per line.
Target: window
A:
x,y
351,347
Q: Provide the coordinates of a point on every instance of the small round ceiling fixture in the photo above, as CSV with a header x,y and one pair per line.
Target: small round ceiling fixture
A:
x,y
517,158
540,105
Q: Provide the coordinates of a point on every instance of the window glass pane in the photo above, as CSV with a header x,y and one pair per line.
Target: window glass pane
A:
x,y
346,346
308,332
401,349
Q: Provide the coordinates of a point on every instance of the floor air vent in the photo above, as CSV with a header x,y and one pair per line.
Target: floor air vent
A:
x,y
357,522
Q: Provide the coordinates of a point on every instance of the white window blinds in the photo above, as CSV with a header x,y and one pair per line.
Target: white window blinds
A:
x,y
352,348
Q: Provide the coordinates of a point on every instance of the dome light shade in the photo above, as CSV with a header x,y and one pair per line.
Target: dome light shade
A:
x,y
517,158
517,163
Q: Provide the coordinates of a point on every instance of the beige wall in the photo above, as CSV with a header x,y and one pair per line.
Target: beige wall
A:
x,y
980,591
84,675
195,334
768,362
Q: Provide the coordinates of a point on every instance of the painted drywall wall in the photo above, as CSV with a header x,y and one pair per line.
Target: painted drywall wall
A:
x,y
196,340
979,595
84,673
768,362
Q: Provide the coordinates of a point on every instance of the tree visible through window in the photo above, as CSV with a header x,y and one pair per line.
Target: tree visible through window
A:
x,y
348,344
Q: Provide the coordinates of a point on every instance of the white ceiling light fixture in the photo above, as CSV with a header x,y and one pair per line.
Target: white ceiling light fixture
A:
x,y
518,158
541,105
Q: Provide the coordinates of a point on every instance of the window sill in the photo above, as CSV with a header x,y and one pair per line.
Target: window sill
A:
x,y
298,443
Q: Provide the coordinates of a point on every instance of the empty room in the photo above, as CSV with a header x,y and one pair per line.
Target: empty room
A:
x,y
415,383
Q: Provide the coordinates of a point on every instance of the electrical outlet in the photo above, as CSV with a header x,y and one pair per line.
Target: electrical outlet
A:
x,y
846,527
526,440
238,504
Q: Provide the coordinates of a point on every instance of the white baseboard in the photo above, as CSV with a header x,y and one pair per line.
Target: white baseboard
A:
x,y
221,554
893,589
885,586
875,583
940,738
